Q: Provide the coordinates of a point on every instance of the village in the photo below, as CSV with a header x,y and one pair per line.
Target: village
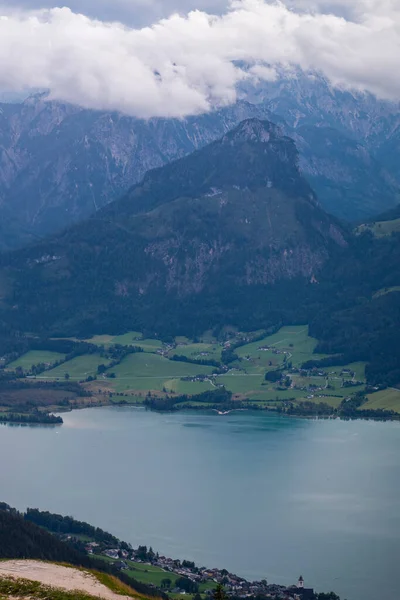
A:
x,y
190,579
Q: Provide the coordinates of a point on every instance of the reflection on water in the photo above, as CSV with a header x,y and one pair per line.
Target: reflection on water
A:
x,y
30,425
261,495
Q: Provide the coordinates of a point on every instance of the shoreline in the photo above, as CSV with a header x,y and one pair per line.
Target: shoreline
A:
x,y
213,409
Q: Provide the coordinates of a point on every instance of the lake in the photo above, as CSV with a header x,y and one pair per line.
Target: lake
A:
x,y
260,495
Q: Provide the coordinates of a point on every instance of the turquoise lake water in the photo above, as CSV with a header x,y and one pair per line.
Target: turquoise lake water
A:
x,y
260,495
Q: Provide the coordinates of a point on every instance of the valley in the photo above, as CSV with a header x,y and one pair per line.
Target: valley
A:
x,y
231,240
199,300
278,372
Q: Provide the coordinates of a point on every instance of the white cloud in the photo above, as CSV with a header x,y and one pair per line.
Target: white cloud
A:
x,y
189,64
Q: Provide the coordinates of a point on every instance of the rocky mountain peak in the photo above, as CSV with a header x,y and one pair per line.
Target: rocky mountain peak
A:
x,y
235,216
253,130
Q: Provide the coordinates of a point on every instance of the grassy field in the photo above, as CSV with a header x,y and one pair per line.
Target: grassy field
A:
x,y
78,368
198,351
146,573
144,371
381,228
241,383
132,338
293,342
34,357
388,399
187,387
140,373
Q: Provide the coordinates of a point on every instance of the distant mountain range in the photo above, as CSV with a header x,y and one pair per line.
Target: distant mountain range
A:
x,y
60,163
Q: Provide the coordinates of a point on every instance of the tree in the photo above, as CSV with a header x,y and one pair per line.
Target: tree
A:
x,y
66,376
219,593
166,583
142,552
273,376
150,554
184,583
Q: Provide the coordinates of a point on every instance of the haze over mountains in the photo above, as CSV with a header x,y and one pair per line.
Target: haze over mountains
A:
x,y
60,163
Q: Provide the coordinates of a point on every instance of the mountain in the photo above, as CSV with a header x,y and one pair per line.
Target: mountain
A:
x,y
349,142
224,234
60,163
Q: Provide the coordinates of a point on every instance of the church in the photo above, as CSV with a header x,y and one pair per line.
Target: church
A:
x,y
301,592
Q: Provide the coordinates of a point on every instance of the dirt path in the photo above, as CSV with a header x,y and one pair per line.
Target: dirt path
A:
x,y
57,576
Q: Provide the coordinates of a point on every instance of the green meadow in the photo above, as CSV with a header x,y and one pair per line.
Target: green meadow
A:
x,y
381,228
132,338
388,399
292,342
36,357
198,351
146,573
147,372
180,387
153,371
78,368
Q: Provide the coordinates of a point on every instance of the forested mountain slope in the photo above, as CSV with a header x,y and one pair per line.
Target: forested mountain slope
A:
x,y
216,234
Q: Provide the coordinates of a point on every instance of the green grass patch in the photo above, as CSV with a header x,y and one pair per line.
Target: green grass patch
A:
x,y
241,383
149,345
388,399
35,357
187,387
381,228
292,342
145,371
127,339
181,339
337,372
272,395
101,340
78,368
198,351
144,572
114,584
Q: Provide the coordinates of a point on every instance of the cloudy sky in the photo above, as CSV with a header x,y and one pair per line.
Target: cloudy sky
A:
x,y
180,57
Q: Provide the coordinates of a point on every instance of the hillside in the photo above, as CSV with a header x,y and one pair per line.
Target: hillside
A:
x,y
230,227
46,580
23,539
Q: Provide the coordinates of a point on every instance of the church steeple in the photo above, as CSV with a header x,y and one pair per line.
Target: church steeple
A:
x,y
300,583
